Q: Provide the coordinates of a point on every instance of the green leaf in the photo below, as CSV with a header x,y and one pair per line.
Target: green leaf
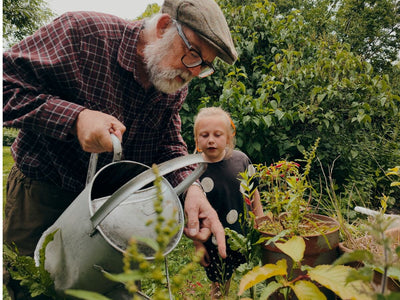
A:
x,y
334,278
267,120
125,277
279,114
86,295
271,288
356,255
306,290
294,247
148,241
259,274
236,241
269,240
42,251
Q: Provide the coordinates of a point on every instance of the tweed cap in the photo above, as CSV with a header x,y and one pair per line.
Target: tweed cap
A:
x,y
206,19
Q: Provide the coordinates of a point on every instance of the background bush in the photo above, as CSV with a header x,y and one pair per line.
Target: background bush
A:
x,y
9,135
295,82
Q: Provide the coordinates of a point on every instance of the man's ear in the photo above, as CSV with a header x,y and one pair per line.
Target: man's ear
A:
x,y
162,24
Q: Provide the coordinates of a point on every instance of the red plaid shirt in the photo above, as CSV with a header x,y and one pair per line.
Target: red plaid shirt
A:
x,y
84,60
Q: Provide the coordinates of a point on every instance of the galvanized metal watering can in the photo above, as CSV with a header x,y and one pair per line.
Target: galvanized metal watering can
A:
x,y
117,202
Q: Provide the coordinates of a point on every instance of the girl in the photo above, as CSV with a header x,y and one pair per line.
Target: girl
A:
x,y
214,134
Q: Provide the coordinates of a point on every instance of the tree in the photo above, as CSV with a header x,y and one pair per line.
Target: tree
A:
x,y
372,28
23,17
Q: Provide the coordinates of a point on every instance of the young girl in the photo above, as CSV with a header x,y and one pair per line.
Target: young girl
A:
x,y
214,134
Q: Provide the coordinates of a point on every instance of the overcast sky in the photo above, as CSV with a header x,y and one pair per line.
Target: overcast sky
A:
x,y
127,9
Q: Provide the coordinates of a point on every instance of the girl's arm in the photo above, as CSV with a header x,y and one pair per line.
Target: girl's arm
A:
x,y
256,204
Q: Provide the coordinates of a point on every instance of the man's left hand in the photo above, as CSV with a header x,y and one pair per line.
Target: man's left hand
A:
x,y
202,219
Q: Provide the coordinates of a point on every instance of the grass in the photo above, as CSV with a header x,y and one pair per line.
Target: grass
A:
x,y
7,164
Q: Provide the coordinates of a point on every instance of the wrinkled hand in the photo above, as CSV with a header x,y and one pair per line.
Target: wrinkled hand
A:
x,y
93,129
202,219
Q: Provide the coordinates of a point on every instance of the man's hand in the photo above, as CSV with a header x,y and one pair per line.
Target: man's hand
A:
x,y
93,129
202,219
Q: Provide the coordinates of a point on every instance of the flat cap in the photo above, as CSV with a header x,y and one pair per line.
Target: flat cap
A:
x,y
206,19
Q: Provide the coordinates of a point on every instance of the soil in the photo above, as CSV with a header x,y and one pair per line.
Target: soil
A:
x,y
306,227
367,242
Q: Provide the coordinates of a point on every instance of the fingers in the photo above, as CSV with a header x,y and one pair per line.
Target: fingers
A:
x,y
192,225
201,235
219,233
215,227
202,220
93,130
117,129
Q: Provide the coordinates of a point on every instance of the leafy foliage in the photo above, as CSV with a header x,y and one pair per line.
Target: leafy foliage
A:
x,y
304,286
381,253
371,28
24,269
291,86
22,18
9,135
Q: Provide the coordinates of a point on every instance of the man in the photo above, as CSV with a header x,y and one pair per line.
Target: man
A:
x,y
86,75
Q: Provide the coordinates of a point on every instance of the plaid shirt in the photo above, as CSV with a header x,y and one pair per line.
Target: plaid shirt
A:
x,y
84,60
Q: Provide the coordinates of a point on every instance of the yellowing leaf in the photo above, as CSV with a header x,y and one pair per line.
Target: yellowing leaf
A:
x,y
294,247
334,278
259,274
306,290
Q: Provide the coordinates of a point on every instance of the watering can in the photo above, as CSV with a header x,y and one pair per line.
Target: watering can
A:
x,y
94,231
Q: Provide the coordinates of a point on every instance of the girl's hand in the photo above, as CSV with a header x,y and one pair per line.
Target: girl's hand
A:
x,y
205,258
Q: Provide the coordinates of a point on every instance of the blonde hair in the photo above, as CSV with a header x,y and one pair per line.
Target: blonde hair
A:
x,y
218,112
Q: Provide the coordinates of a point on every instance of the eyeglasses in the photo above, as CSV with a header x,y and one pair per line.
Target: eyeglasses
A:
x,y
193,58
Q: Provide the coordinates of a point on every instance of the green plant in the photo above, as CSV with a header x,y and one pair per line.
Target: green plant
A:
x,y
378,250
9,135
394,172
379,253
295,81
306,285
248,244
23,269
285,194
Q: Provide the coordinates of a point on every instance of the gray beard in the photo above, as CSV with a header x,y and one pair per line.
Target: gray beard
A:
x,y
163,78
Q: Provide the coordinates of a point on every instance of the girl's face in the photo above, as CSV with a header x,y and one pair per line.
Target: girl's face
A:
x,y
212,138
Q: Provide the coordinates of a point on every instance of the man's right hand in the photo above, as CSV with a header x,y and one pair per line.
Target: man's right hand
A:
x,y
93,129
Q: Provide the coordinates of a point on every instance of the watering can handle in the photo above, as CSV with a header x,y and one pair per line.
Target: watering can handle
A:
x,y
147,177
117,148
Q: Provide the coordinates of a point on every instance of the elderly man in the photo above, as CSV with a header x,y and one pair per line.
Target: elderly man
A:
x,y
86,75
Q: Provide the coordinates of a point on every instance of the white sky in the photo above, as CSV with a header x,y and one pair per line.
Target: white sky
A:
x,y
127,9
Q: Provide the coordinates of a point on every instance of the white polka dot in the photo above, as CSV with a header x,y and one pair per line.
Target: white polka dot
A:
x,y
232,216
214,240
208,184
